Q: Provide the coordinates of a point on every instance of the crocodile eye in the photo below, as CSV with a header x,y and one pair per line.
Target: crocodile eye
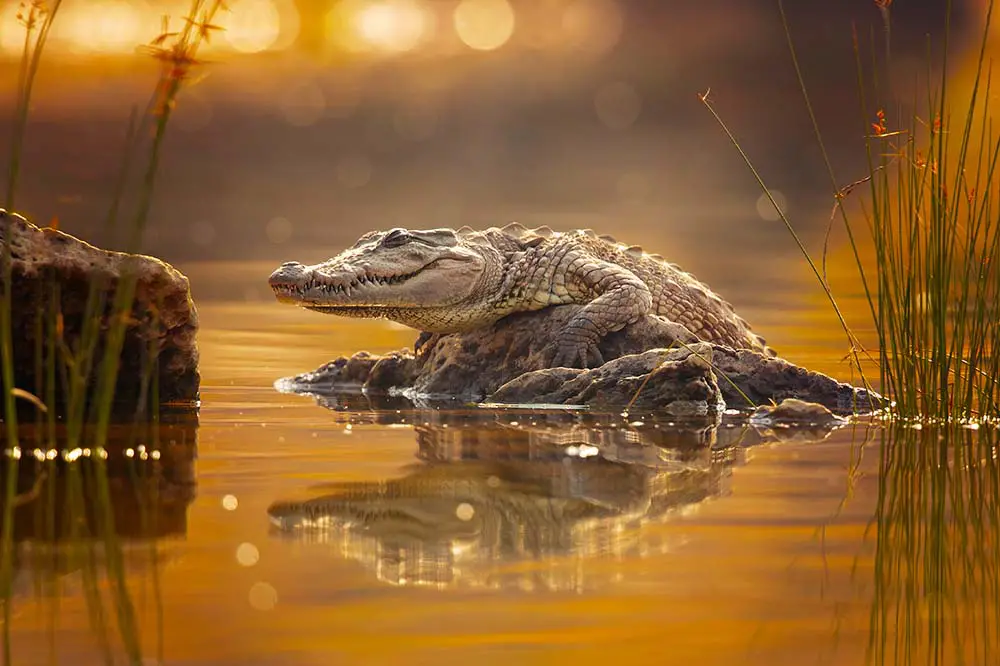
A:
x,y
396,238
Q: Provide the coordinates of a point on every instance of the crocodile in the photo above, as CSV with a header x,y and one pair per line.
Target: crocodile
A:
x,y
495,505
553,501
451,281
459,525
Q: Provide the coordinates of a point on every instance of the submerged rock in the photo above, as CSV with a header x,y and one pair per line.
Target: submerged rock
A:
x,y
792,411
50,268
506,363
362,371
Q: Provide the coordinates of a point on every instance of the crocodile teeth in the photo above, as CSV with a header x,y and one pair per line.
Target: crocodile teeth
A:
x,y
379,279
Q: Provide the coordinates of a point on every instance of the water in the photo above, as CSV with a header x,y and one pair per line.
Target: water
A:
x,y
436,537
510,536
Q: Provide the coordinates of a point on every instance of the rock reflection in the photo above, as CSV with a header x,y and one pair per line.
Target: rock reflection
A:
x,y
73,514
531,500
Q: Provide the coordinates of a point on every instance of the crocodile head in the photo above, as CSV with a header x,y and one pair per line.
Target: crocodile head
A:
x,y
461,523
395,510
397,274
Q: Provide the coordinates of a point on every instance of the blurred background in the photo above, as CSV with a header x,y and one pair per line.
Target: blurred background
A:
x,y
322,119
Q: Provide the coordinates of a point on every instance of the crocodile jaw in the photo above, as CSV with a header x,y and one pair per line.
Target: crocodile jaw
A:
x,y
340,286
419,517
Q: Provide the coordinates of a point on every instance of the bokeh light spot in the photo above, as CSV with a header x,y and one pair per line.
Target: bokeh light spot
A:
x,y
114,26
465,511
392,25
108,26
354,171
341,25
278,230
263,596
252,25
230,503
618,105
484,24
303,105
766,209
247,554
290,24
592,26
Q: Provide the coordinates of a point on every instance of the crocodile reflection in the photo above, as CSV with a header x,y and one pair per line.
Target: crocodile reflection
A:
x,y
530,501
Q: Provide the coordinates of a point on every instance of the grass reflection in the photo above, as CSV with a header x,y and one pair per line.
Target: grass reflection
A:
x,y
937,584
85,522
76,483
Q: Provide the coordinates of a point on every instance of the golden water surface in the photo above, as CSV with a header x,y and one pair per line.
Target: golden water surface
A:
x,y
767,558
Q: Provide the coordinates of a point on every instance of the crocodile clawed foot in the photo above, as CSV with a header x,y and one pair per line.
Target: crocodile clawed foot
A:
x,y
573,355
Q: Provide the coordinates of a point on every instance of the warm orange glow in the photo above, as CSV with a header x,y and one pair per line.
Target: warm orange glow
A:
x,y
252,26
11,30
484,24
390,26
340,25
118,26
114,26
592,26
107,26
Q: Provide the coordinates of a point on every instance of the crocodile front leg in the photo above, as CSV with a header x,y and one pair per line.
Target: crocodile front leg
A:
x,y
614,297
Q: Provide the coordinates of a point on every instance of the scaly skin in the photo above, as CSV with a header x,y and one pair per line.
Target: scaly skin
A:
x,y
446,281
424,504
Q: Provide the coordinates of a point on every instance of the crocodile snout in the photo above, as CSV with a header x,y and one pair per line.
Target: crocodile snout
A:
x,y
289,274
288,281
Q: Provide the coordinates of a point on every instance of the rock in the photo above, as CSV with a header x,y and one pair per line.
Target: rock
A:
x,y
745,374
676,381
479,362
507,361
52,268
363,371
340,373
794,412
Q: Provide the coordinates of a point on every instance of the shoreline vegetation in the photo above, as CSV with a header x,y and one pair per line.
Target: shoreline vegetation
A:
x,y
87,366
931,218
